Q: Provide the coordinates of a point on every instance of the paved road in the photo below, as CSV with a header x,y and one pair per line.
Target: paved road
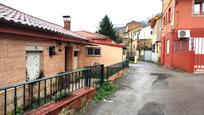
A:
x,y
150,90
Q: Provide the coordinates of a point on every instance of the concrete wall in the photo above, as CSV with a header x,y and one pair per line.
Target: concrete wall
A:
x,y
13,58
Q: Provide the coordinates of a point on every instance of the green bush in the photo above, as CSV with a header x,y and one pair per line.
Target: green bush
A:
x,y
105,90
19,111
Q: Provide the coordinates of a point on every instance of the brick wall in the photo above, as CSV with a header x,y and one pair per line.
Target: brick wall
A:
x,y
109,55
13,58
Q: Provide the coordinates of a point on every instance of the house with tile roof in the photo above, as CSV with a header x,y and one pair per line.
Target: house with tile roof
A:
x,y
33,48
104,51
156,25
120,31
132,30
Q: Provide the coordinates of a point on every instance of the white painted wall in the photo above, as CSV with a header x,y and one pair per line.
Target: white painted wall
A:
x,y
147,55
155,57
145,33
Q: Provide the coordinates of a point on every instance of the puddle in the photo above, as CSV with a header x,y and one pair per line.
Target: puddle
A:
x,y
152,108
161,81
161,75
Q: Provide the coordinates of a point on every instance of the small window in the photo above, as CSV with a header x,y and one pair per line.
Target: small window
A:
x,y
94,51
90,51
75,53
164,21
169,17
153,48
151,32
198,7
97,51
167,47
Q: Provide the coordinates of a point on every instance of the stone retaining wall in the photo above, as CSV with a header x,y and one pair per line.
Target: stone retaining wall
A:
x,y
67,105
118,75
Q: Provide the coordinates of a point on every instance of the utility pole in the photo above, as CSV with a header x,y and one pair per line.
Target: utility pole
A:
x,y
130,37
144,49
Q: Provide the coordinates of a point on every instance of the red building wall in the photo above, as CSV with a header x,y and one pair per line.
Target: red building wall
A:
x,y
183,19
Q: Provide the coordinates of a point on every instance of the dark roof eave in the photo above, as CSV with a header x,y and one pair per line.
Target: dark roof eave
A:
x,y
38,29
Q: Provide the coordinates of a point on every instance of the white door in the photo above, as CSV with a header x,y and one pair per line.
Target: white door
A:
x,y
75,65
32,65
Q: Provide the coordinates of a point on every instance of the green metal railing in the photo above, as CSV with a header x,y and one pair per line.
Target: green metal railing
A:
x,y
113,69
32,94
28,95
97,75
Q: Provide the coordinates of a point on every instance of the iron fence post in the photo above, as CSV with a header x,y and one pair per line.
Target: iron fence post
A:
x,y
89,77
15,100
86,72
5,101
102,74
45,91
107,73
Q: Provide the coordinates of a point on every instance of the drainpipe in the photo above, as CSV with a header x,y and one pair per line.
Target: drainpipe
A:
x,y
173,16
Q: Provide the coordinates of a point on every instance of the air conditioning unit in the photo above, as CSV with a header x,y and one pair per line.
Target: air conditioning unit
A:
x,y
184,34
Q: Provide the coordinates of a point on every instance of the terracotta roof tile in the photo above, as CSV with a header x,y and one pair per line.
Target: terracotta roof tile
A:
x,y
91,35
99,39
9,14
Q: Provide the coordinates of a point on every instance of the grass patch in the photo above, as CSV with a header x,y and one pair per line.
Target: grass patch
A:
x,y
105,90
19,111
131,62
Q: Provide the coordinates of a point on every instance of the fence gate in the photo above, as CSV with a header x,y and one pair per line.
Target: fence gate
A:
x,y
198,47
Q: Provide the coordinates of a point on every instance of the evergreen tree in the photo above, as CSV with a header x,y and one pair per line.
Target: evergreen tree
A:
x,y
106,28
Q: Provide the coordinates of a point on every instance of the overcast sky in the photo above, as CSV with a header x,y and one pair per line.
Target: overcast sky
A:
x,y
86,14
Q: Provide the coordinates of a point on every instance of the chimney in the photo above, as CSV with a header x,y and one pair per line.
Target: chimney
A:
x,y
67,22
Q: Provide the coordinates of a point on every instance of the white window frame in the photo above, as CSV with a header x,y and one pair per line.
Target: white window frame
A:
x,y
94,48
167,47
200,6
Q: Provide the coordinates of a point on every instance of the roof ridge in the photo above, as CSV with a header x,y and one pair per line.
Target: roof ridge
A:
x,y
36,22
93,33
31,15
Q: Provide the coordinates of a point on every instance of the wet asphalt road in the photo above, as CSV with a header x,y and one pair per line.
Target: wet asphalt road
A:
x,y
151,90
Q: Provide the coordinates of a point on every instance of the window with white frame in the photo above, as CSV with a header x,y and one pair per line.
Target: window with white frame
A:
x,y
167,47
93,51
198,7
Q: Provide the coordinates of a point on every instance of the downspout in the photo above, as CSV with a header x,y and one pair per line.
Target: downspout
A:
x,y
173,16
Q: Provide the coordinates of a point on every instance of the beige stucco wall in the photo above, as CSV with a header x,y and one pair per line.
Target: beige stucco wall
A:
x,y
109,55
13,58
